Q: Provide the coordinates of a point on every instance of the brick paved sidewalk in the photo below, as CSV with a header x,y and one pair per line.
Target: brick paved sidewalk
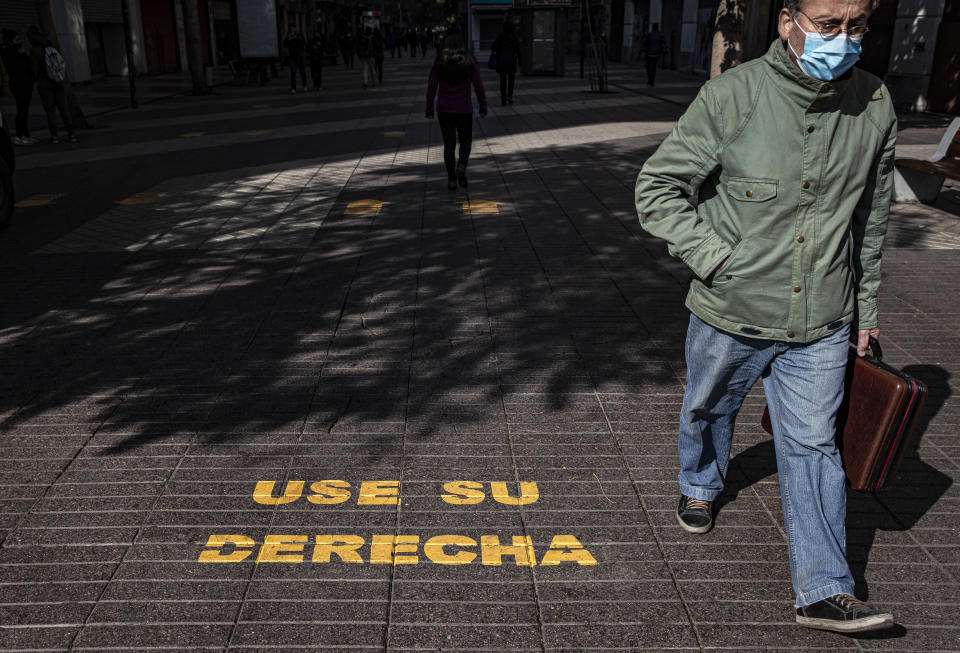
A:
x,y
294,394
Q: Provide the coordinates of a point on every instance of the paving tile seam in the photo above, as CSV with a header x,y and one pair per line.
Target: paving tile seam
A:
x,y
481,266
649,522
368,231
420,228
120,564
5,536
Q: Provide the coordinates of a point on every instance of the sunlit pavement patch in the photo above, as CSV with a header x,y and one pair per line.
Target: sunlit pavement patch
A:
x,y
479,207
141,198
38,200
365,207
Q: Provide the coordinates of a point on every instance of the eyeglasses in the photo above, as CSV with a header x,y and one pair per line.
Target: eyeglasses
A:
x,y
831,29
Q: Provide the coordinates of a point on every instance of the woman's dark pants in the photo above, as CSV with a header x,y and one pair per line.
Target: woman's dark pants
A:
x,y
454,126
54,98
506,85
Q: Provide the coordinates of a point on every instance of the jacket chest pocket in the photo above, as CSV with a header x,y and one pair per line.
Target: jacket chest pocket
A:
x,y
745,189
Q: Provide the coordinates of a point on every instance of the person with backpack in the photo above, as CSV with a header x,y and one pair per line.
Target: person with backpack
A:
x,y
296,50
49,69
453,72
21,81
507,49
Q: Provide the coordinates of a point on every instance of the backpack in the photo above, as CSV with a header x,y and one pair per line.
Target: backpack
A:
x,y
56,67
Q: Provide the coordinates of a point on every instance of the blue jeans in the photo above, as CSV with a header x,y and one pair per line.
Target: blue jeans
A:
x,y
803,384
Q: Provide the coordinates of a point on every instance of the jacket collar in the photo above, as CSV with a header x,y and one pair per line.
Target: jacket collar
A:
x,y
811,94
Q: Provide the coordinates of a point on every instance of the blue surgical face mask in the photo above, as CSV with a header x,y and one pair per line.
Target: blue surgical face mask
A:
x,y
827,59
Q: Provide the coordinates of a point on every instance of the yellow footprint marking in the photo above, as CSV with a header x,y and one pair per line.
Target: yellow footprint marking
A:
x,y
365,207
141,198
478,207
37,200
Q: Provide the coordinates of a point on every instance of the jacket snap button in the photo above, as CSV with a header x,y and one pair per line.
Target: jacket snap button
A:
x,y
809,129
806,185
790,334
799,239
749,193
796,289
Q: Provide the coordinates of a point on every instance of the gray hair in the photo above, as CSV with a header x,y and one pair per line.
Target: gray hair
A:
x,y
793,6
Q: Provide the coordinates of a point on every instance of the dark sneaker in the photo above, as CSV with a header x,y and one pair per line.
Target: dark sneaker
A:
x,y
451,184
695,515
54,139
843,613
462,175
72,138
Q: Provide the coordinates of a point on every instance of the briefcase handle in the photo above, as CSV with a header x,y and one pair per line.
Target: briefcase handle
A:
x,y
875,348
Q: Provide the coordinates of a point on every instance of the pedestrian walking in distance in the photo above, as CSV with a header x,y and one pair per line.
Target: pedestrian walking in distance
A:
x,y
296,57
16,61
366,56
508,53
791,158
378,55
452,75
346,50
392,43
315,50
653,46
425,38
412,41
47,67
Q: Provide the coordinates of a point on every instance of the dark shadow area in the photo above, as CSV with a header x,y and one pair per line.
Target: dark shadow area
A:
x,y
948,199
923,120
418,321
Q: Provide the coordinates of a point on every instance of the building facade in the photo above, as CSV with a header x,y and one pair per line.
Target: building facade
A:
x,y
90,33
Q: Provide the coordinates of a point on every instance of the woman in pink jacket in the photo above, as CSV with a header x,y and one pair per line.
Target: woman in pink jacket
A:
x,y
453,72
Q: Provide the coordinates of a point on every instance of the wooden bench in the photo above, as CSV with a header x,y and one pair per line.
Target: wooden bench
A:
x,y
920,180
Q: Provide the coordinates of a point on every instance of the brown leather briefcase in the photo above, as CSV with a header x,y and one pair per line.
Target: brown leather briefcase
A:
x,y
876,420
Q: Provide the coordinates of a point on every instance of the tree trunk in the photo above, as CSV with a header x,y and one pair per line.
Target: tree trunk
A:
x,y
49,29
728,45
311,19
191,23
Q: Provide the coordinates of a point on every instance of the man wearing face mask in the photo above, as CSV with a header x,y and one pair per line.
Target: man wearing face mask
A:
x,y
790,158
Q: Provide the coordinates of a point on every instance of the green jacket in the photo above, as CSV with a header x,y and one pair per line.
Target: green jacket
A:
x,y
793,178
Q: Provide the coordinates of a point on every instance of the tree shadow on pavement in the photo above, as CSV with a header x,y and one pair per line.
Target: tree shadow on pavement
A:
x,y
419,319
